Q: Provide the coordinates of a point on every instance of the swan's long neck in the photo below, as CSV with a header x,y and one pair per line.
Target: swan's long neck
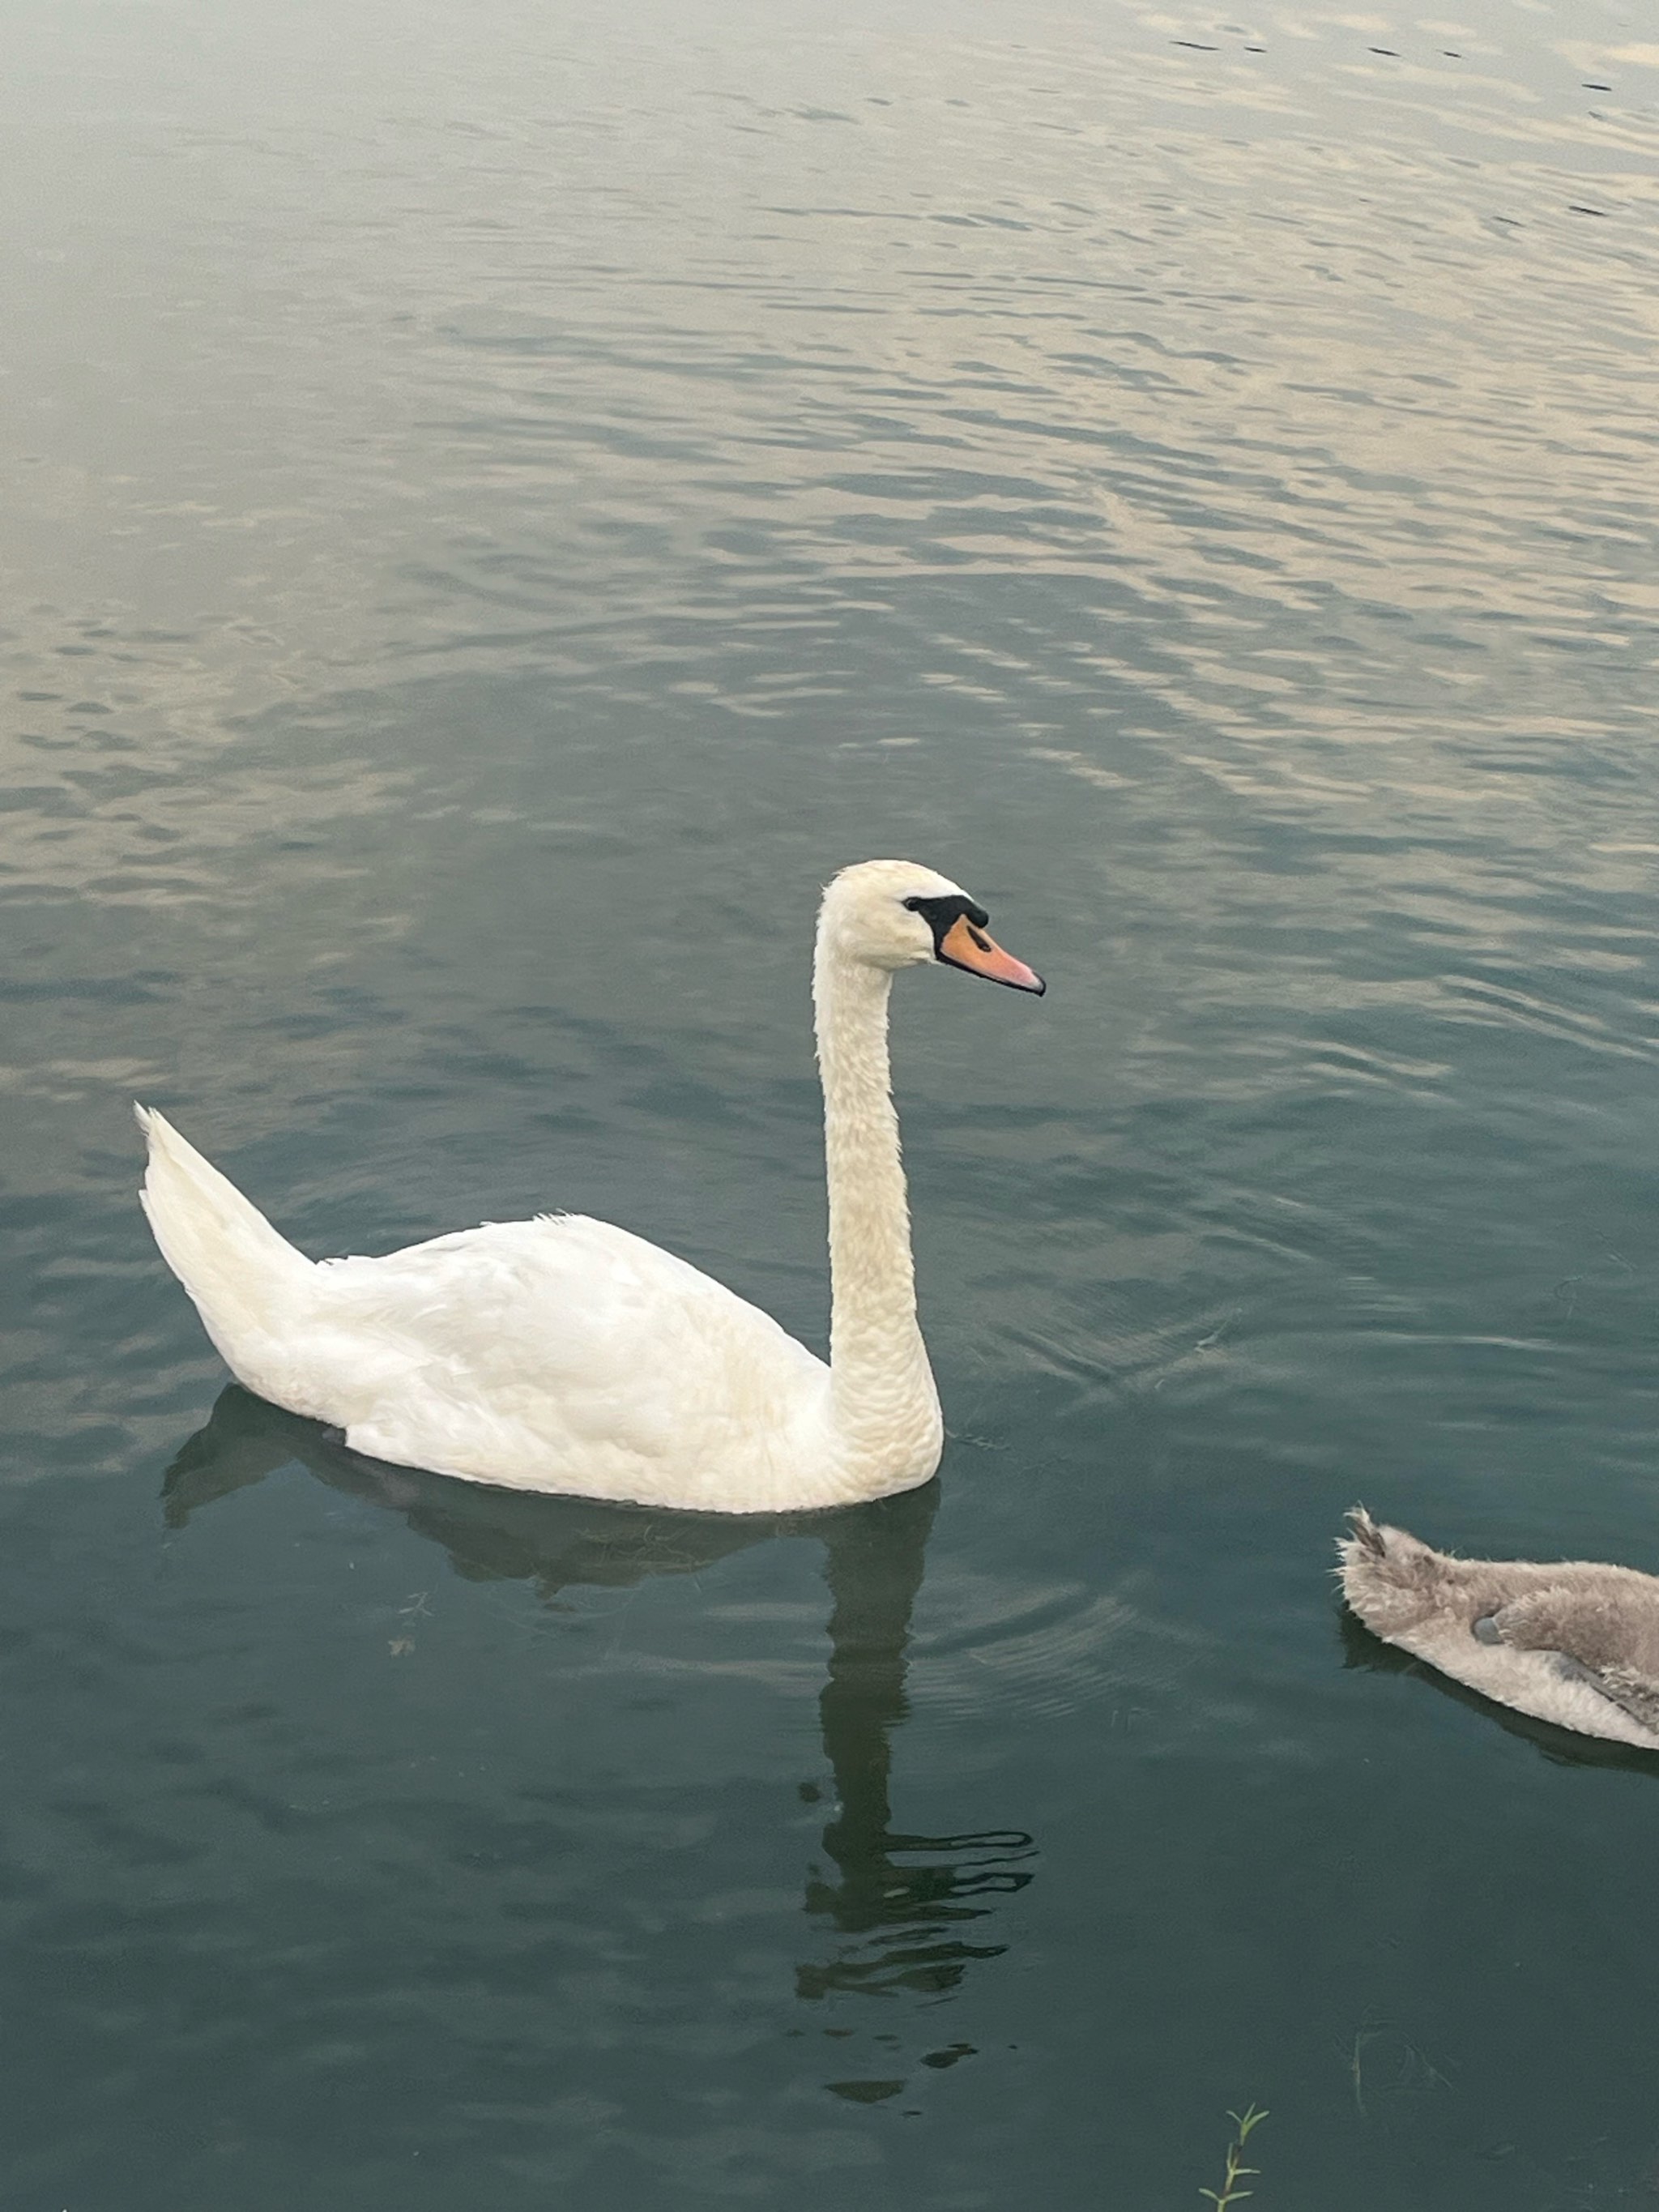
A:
x,y
884,1403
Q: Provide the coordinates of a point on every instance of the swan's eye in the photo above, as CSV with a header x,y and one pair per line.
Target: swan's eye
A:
x,y
946,909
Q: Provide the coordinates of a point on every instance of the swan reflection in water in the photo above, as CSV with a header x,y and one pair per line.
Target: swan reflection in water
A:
x,y
908,1909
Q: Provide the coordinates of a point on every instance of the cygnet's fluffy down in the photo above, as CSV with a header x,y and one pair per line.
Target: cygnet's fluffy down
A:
x,y
1571,1641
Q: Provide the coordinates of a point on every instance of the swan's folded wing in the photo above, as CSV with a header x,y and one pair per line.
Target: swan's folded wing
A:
x,y
554,1352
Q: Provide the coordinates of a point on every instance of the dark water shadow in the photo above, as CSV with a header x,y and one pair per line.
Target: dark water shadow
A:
x,y
899,1912
1561,1746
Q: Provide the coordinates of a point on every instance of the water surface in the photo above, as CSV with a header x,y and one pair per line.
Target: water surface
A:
x,y
497,505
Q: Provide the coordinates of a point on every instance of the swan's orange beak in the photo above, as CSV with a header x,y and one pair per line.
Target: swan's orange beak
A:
x,y
964,946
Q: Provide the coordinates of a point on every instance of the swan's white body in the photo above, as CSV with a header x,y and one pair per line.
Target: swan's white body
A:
x,y
564,1354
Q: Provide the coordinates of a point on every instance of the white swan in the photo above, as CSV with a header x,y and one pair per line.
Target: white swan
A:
x,y
564,1354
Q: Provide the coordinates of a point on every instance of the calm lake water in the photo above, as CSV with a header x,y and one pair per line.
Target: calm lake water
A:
x,y
499,502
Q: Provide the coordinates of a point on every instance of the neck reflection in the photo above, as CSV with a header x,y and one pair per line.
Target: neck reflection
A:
x,y
906,1902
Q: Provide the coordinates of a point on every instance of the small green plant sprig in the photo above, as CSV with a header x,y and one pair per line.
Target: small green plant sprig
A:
x,y
1227,2194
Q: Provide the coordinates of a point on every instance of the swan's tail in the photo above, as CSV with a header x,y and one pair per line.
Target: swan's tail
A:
x,y
249,1283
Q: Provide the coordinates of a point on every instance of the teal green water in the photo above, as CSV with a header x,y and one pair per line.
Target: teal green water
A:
x,y
498,504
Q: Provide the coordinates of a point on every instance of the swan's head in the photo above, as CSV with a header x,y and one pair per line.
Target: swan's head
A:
x,y
892,914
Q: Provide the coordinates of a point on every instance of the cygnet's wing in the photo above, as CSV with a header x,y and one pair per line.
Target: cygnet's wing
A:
x,y
1638,1693
1605,1625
